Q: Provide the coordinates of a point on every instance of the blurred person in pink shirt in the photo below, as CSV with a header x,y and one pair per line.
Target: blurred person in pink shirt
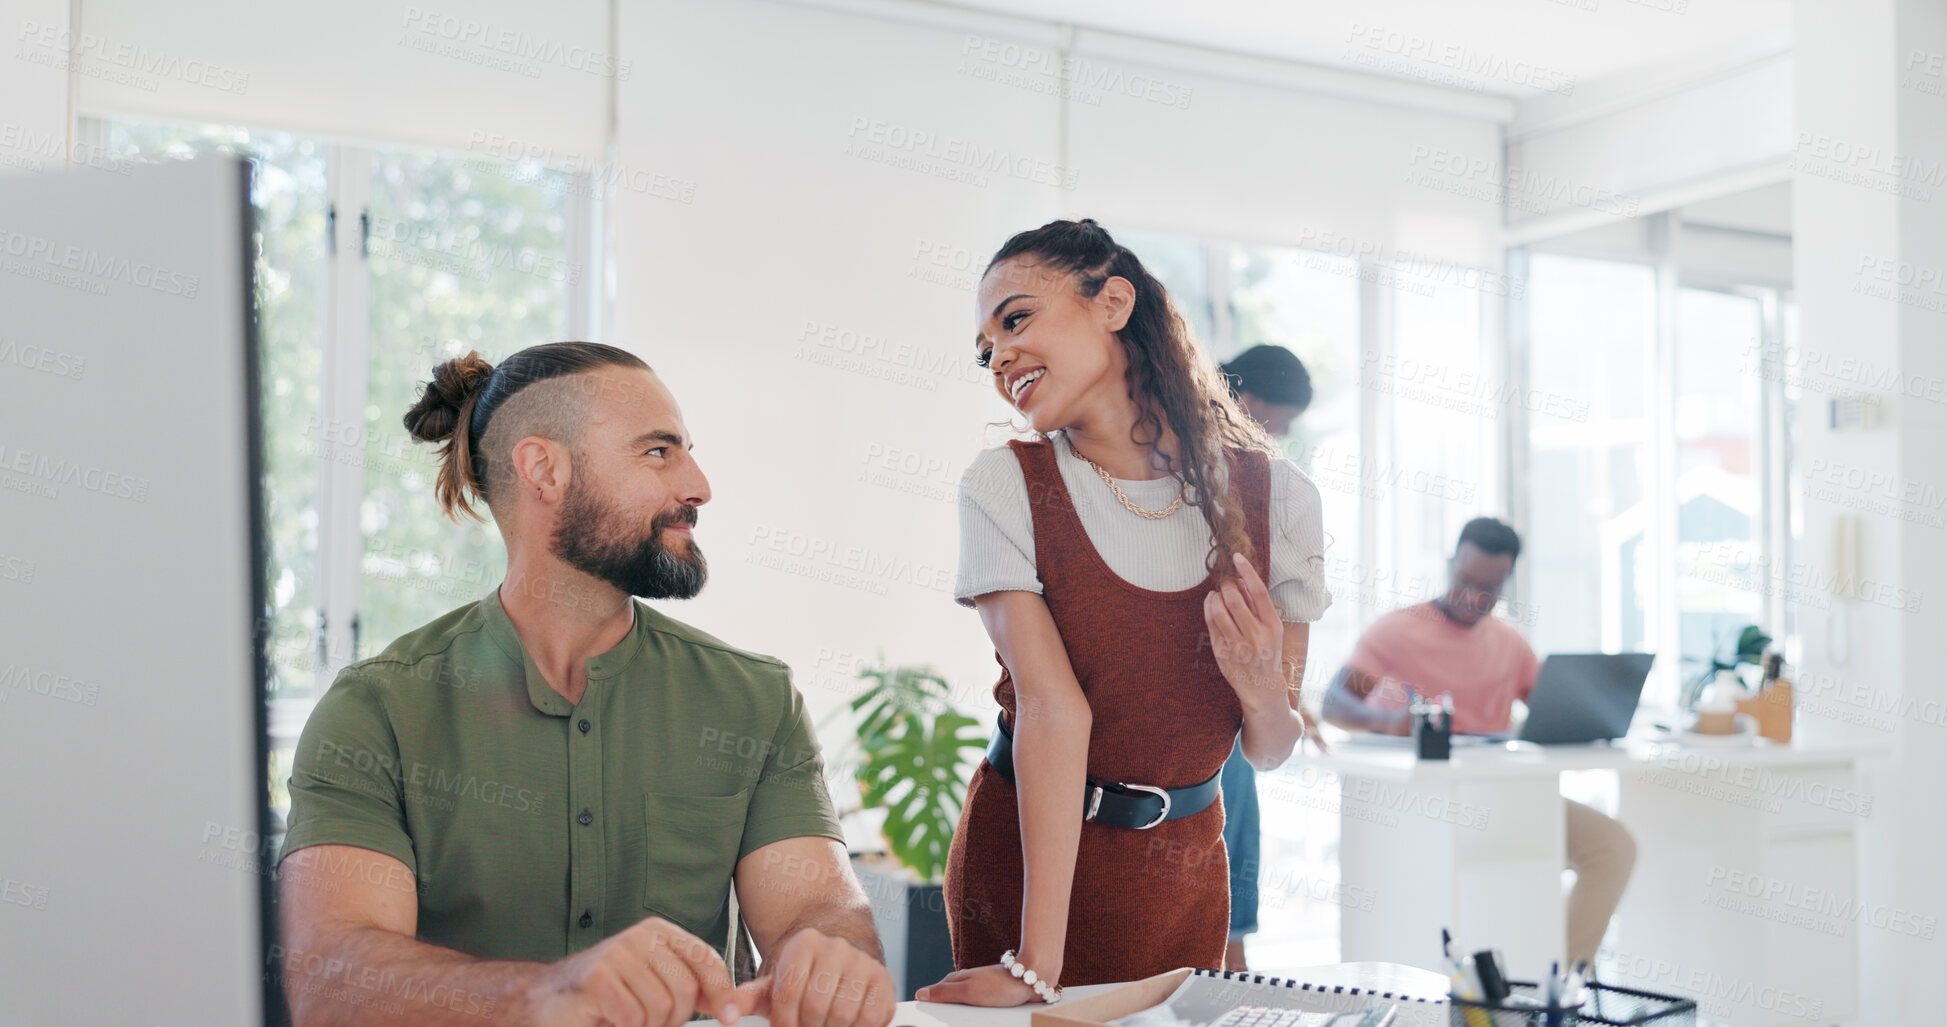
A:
x,y
1454,645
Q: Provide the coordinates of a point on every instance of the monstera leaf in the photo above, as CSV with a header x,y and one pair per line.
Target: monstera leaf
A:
x,y
915,753
897,695
1751,643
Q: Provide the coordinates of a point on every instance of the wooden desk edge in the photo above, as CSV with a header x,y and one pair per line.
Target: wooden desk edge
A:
x,y
1097,1010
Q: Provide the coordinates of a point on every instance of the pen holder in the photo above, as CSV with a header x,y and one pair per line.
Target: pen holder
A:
x,y
1468,1013
1605,1005
1432,741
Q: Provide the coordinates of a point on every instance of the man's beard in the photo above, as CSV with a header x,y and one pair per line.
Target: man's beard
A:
x,y
595,538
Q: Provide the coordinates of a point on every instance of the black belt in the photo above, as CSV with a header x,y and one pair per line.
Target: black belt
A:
x,y
1139,807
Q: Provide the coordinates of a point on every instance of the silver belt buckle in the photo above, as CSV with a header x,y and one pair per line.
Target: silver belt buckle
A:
x,y
1094,802
1159,793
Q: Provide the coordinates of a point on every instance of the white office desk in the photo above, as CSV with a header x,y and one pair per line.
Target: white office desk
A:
x,y
1477,844
1380,977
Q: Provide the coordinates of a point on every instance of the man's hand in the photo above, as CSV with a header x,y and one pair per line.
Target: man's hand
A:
x,y
821,981
990,985
1311,730
654,974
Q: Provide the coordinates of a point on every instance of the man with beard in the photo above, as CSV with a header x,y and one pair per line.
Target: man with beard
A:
x,y
533,810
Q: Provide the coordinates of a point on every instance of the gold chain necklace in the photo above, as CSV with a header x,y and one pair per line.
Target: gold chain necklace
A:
x,y
1183,489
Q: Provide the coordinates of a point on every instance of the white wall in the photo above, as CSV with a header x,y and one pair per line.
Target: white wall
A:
x,y
34,119
454,74
1876,658
797,253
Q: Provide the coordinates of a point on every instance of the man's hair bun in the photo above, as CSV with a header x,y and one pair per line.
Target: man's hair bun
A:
x,y
448,398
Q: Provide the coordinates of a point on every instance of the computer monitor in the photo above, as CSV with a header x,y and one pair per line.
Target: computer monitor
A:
x,y
1585,697
132,588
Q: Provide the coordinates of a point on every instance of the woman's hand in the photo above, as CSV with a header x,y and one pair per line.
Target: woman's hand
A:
x,y
981,986
1247,639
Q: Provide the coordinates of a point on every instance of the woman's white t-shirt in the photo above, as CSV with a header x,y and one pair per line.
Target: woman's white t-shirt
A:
x,y
1165,554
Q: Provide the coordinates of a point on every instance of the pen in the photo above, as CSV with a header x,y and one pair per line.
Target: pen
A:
x,y
1470,989
1554,1014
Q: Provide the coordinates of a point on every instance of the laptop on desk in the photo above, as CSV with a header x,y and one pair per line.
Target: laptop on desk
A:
x,y
1585,697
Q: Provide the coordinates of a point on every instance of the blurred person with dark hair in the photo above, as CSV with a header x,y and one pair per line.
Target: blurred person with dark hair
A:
x,y
1273,387
1147,568
536,806
1454,645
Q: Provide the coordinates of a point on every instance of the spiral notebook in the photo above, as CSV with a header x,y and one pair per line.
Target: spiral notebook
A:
x,y
1209,998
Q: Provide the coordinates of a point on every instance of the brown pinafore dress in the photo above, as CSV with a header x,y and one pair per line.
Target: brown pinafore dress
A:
x,y
1143,901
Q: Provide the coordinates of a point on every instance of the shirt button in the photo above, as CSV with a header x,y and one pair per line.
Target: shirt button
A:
x,y
586,818
584,725
586,920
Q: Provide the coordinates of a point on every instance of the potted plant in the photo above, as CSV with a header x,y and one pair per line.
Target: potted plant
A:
x,y
912,755
1750,647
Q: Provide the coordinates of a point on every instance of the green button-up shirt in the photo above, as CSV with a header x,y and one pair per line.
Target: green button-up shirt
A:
x,y
535,827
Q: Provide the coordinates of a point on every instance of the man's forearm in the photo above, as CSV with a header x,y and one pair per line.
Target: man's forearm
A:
x,y
1354,713
373,977
839,915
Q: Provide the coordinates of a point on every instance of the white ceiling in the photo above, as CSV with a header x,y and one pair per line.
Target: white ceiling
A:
x,y
1520,38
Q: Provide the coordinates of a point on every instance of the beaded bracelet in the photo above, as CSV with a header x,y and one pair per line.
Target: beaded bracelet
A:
x,y
1048,992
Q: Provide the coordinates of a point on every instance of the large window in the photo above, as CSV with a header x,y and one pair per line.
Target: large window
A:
x,y
1655,509
1444,422
1717,423
373,265
460,260
1591,333
1309,303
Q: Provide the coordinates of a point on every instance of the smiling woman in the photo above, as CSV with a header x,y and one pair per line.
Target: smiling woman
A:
x,y
1174,386
1147,570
